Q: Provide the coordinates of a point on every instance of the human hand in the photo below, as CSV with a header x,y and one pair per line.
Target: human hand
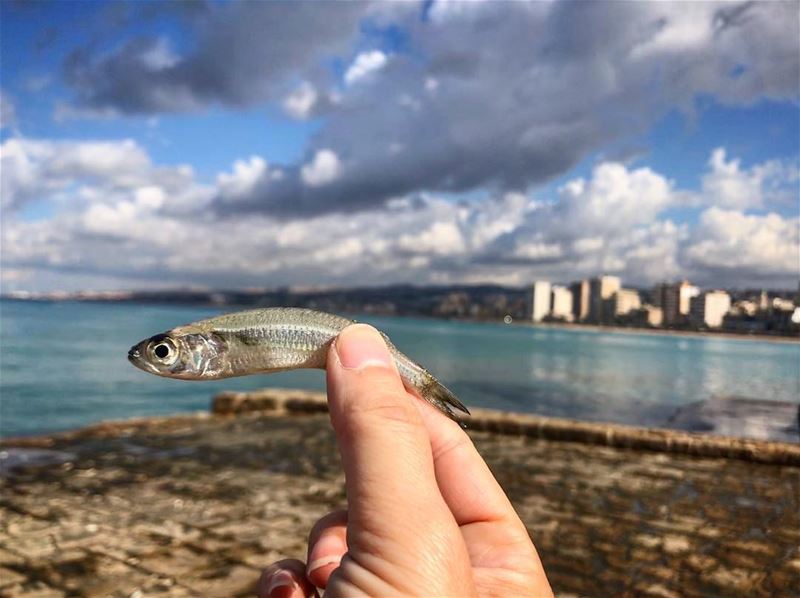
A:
x,y
425,515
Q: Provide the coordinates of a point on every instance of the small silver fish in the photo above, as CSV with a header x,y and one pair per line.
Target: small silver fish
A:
x,y
263,341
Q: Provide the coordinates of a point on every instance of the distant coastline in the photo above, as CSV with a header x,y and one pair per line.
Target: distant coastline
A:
x,y
470,303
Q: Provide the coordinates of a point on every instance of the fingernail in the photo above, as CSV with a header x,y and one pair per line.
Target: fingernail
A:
x,y
281,585
327,550
322,562
362,346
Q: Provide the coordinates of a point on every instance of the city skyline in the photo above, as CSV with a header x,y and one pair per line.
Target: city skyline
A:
x,y
232,145
603,300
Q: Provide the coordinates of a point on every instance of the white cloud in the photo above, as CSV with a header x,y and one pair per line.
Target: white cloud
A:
x,y
649,253
122,162
688,27
347,249
614,199
118,160
150,198
63,112
443,10
159,56
612,220
363,65
246,174
441,238
616,220
496,219
35,170
587,245
104,219
750,244
537,250
728,185
300,103
323,169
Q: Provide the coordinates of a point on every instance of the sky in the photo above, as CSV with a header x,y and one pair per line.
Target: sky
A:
x,y
319,144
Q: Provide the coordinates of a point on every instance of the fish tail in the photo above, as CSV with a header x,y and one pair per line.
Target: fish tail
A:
x,y
422,383
441,397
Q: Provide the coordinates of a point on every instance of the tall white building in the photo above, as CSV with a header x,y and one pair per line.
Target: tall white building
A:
x,y
709,308
676,300
562,303
625,301
540,300
580,299
686,292
601,289
653,316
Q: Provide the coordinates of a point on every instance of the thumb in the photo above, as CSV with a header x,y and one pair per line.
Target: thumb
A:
x,y
401,537
383,441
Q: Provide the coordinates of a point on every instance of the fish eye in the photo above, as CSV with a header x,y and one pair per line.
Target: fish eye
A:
x,y
162,351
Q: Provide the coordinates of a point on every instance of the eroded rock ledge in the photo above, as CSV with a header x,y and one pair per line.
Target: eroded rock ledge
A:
x,y
548,428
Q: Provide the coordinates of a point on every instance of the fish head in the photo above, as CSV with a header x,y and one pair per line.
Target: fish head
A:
x,y
185,354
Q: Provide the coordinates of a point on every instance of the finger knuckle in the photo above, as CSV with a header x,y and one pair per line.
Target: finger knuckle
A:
x,y
451,442
389,407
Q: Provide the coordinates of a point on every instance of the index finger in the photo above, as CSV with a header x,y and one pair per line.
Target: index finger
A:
x,y
465,481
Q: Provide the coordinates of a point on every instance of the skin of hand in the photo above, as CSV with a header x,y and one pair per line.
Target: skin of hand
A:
x,y
425,515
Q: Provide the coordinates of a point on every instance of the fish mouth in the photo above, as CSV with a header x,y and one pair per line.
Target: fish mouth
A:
x,y
137,359
133,354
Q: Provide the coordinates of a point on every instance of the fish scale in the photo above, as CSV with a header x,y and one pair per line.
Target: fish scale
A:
x,y
262,341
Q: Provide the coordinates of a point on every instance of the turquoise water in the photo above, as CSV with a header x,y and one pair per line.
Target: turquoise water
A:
x,y
64,365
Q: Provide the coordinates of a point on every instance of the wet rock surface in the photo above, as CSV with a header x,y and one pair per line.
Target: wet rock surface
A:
x,y
736,416
196,506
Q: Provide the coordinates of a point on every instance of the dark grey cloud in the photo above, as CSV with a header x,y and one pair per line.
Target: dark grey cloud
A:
x,y
506,95
242,53
497,96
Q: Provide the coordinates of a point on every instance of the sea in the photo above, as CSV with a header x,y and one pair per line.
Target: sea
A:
x,y
63,365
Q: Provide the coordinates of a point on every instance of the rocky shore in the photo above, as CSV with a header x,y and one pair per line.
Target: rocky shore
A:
x,y
197,505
